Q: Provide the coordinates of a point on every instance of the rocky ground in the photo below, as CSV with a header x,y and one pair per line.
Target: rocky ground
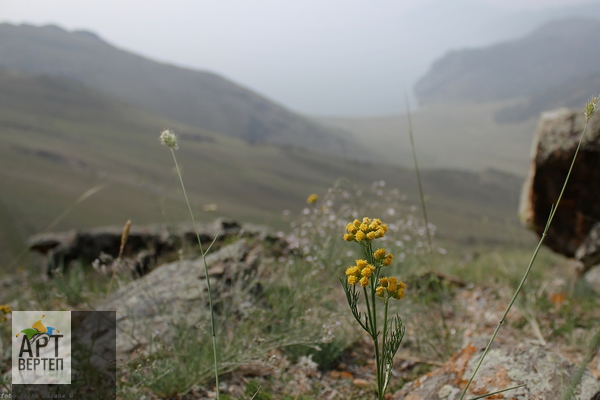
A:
x,y
546,340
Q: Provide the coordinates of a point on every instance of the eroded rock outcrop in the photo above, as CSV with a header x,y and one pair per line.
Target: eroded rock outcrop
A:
x,y
545,374
144,243
575,230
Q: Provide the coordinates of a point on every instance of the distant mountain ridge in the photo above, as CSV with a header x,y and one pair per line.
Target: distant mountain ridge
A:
x,y
197,98
556,56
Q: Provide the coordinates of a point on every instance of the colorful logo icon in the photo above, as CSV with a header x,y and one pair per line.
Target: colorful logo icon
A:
x,y
38,331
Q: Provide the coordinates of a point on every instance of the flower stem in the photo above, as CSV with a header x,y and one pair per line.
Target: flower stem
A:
x,y
384,352
203,253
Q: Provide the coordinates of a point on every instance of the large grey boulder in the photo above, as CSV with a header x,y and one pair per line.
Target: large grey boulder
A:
x,y
574,231
175,294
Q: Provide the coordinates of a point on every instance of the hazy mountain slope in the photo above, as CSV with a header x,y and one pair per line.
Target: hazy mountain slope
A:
x,y
60,139
480,106
193,97
573,94
554,54
457,136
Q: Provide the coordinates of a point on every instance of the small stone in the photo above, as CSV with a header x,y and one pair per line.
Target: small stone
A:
x,y
360,382
341,375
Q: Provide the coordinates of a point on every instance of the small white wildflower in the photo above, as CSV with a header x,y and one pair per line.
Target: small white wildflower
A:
x,y
306,364
169,139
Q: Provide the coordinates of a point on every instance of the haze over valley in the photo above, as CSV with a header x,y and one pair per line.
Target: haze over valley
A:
x,y
79,113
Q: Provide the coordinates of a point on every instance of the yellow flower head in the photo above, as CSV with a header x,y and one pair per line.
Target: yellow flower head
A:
x,y
399,293
312,198
364,281
4,309
360,236
352,279
367,271
392,285
366,229
394,288
353,271
379,254
387,261
348,237
361,263
350,228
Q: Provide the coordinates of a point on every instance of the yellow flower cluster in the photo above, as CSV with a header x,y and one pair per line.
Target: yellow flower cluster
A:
x,y
366,229
385,258
313,198
392,287
4,309
360,273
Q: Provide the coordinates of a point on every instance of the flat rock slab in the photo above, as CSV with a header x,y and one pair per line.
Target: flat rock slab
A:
x,y
545,374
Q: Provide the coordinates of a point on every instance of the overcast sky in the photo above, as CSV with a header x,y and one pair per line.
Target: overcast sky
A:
x,y
318,57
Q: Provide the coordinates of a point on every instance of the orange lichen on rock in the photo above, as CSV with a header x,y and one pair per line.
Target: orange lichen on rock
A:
x,y
458,364
498,381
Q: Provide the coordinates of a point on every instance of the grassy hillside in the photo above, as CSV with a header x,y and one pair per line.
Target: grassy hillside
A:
x,y
456,136
197,98
60,139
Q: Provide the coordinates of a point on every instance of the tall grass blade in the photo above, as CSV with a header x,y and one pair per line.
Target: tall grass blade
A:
x,y
418,172
499,391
